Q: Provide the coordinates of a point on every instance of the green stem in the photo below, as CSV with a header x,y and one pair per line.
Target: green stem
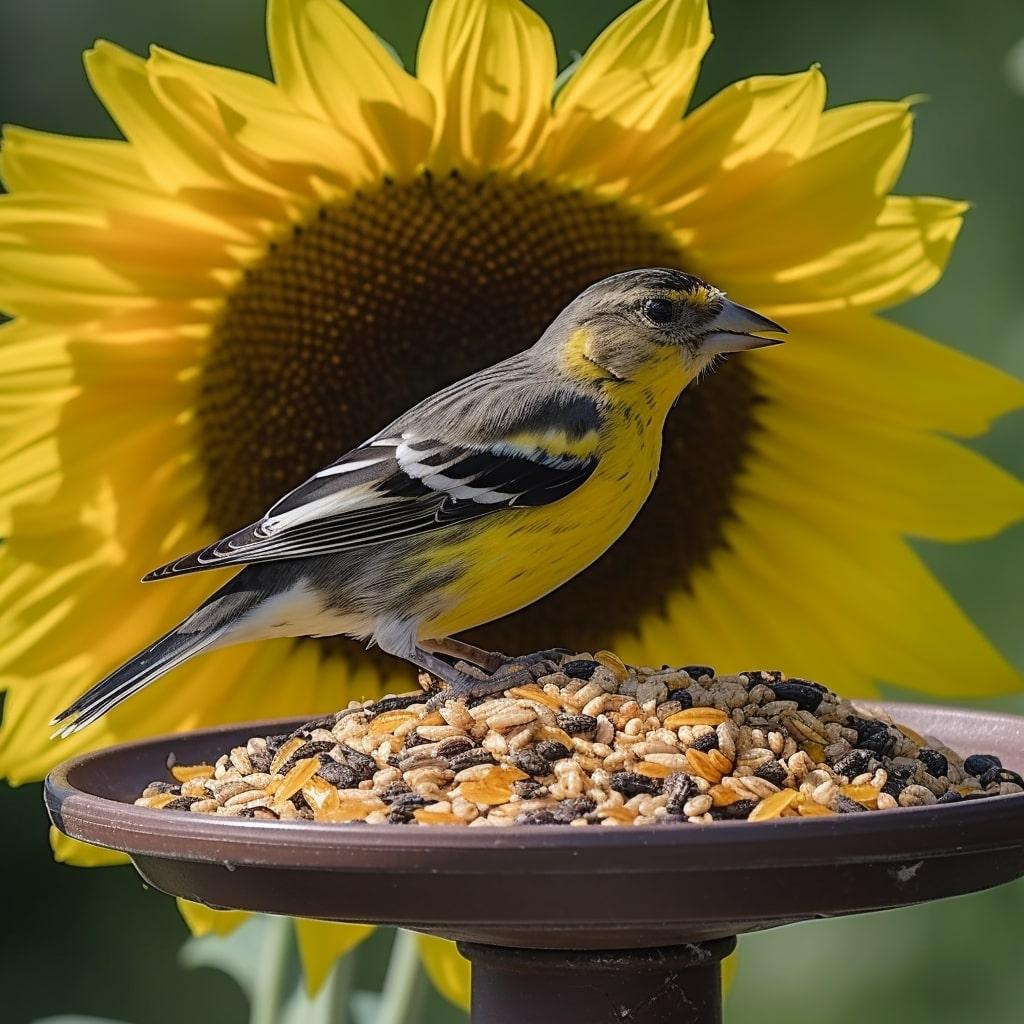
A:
x,y
271,980
332,1003
403,983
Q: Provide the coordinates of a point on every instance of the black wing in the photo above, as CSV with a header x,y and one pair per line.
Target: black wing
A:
x,y
392,488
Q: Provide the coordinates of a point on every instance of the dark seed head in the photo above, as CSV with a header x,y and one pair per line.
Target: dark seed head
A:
x,y
362,764
580,669
698,671
470,758
807,697
453,746
740,809
338,775
551,750
678,787
951,796
978,764
577,725
844,805
398,703
934,762
529,790
894,786
853,763
532,762
683,697
872,734
706,741
632,783
774,772
762,675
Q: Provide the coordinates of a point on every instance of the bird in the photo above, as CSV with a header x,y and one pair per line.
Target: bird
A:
x,y
476,502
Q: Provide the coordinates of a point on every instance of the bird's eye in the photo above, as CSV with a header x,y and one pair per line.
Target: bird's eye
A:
x,y
658,311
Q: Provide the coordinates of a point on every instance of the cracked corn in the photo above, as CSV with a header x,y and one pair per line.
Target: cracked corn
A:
x,y
591,741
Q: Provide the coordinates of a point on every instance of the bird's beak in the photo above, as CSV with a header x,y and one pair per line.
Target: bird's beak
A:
x,y
733,330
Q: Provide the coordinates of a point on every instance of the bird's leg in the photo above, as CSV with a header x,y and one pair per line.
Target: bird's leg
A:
x,y
462,685
489,661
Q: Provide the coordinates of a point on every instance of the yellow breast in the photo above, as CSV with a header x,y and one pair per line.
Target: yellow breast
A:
x,y
510,559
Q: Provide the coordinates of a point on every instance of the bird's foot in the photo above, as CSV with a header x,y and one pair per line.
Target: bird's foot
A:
x,y
491,661
460,685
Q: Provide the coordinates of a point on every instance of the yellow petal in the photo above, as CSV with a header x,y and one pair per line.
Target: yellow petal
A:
x,y
447,968
908,481
203,920
322,943
333,67
490,65
100,169
641,70
738,141
83,855
166,149
830,198
903,255
888,373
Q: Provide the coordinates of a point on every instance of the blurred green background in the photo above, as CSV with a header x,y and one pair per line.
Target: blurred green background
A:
x,y
97,942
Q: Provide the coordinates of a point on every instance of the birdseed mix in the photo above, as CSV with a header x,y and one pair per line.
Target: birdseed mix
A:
x,y
591,741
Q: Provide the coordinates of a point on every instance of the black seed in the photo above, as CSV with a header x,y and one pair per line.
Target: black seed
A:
x,y
409,799
394,760
698,671
633,783
469,759
853,763
306,729
706,741
552,750
414,739
740,809
844,805
762,675
261,761
338,775
540,816
362,764
531,762
310,749
394,703
998,775
934,762
905,772
258,812
529,790
276,741
894,786
672,819
806,697
577,807
773,772
577,725
951,796
683,697
678,787
395,790
580,669
978,764
871,734
181,803
453,746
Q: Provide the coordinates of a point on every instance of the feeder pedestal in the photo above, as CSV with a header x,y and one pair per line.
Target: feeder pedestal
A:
x,y
574,925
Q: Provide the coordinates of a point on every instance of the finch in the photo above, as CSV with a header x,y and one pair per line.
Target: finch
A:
x,y
478,501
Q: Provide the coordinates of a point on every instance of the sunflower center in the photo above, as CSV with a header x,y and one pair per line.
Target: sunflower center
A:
x,y
402,290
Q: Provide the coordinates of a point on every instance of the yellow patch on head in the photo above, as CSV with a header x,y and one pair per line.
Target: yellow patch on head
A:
x,y
701,296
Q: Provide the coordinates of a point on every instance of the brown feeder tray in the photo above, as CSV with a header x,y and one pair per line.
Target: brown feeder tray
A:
x,y
560,923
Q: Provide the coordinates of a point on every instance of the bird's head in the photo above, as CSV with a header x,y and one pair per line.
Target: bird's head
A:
x,y
629,322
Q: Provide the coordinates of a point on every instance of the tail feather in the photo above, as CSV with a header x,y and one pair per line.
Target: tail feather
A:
x,y
148,665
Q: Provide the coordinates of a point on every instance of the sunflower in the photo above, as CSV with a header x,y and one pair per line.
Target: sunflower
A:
x,y
263,272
